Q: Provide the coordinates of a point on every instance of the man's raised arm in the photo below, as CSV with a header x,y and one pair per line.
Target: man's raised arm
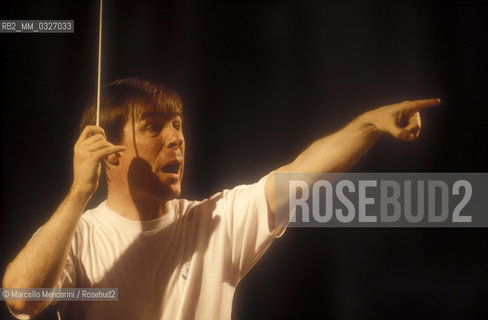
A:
x,y
340,150
40,263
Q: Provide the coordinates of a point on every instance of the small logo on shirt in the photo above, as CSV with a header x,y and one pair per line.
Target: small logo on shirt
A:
x,y
184,270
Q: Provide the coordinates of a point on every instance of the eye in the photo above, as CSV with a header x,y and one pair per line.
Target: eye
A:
x,y
153,128
176,124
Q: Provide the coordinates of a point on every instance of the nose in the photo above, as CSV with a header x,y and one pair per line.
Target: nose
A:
x,y
173,138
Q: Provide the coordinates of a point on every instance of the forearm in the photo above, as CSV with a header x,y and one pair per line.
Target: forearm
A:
x,y
338,151
334,153
40,263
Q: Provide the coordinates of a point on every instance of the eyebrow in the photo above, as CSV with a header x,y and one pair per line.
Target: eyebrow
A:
x,y
150,114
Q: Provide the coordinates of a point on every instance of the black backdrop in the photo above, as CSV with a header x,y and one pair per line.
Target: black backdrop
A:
x,y
260,81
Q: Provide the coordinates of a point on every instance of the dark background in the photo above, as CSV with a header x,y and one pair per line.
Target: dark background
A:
x,y
260,81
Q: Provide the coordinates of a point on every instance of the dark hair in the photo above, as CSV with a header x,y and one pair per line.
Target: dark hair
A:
x,y
130,96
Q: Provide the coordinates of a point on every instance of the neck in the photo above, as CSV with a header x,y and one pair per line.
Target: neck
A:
x,y
135,207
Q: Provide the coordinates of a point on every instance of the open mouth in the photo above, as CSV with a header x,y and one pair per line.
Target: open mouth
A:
x,y
171,168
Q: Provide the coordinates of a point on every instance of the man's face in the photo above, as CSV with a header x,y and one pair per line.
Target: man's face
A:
x,y
154,160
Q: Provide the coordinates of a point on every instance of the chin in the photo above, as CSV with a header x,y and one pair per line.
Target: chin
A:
x,y
175,192
168,191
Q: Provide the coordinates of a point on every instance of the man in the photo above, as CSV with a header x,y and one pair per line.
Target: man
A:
x,y
170,258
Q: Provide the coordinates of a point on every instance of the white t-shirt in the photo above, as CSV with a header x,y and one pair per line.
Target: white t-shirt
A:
x,y
184,265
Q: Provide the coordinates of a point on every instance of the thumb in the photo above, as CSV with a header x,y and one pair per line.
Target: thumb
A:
x,y
402,134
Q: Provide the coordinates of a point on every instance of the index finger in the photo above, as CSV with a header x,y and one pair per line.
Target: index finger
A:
x,y
419,105
90,130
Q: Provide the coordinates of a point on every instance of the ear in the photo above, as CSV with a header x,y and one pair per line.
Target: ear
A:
x,y
113,159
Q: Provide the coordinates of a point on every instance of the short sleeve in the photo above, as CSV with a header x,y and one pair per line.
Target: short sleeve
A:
x,y
248,217
67,279
68,276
